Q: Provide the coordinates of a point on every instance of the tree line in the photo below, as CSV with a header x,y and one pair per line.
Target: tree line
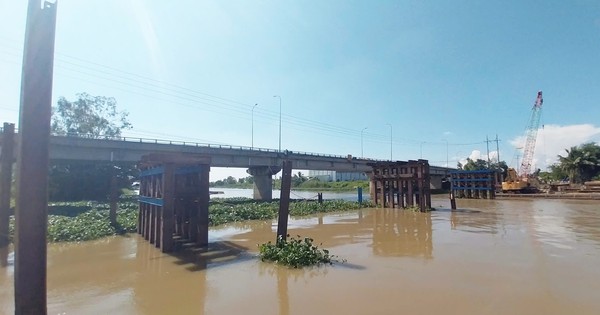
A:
x,y
577,165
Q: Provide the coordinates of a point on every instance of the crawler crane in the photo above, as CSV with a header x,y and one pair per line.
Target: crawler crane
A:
x,y
521,183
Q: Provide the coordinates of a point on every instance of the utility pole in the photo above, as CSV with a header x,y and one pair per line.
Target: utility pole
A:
x,y
279,121
498,149
391,143
487,143
253,125
362,155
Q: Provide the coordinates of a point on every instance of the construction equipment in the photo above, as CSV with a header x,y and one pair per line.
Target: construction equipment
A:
x,y
522,183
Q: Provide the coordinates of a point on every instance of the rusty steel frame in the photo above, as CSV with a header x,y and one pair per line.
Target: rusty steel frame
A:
x,y
174,198
31,212
401,184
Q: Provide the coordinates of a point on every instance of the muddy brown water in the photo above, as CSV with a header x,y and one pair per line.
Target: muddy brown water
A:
x,y
489,257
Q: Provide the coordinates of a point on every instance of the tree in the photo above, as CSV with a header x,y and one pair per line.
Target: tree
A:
x,y
91,116
479,164
581,163
96,117
87,181
298,179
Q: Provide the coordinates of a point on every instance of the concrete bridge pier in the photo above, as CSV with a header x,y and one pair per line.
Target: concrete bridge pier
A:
x,y
263,183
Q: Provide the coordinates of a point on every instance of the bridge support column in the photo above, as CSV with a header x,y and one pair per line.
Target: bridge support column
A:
x,y
263,184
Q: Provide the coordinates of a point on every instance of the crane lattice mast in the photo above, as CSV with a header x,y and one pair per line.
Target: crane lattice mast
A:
x,y
532,130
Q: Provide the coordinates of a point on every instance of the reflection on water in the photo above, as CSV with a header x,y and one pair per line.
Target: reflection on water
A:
x,y
488,257
402,233
294,194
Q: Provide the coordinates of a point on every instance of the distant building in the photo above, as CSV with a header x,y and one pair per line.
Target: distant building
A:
x,y
333,176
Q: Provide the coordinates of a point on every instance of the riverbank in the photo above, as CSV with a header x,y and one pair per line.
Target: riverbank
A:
x,y
308,185
574,196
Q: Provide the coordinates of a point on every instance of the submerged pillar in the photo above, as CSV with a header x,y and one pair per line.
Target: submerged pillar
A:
x,y
203,202
6,163
31,212
284,200
263,184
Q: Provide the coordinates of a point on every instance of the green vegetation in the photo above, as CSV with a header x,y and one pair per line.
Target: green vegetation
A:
x,y
479,164
295,253
223,211
92,117
84,221
299,182
89,116
580,164
88,220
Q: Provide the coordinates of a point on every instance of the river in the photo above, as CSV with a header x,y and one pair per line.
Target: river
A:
x,y
294,194
488,257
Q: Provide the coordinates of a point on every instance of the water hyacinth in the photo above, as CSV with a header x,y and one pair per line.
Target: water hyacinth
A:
x,y
75,223
242,209
295,253
88,220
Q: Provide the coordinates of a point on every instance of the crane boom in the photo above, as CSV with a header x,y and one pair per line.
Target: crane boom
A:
x,y
532,130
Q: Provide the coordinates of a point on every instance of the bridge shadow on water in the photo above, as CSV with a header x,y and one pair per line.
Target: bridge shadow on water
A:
x,y
216,254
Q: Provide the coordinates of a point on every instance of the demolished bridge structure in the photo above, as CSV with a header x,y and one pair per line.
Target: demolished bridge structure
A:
x,y
401,184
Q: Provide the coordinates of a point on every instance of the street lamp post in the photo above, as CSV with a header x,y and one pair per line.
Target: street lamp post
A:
x,y
391,142
253,125
361,142
279,121
446,151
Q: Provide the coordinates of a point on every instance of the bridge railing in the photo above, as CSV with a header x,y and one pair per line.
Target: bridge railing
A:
x,y
207,145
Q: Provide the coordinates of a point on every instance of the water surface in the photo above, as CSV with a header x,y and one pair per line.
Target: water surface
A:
x,y
489,257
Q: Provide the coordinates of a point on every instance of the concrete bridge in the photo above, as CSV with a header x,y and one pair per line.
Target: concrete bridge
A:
x,y
261,163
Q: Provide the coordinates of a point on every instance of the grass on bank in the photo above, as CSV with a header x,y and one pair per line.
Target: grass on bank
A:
x,y
88,220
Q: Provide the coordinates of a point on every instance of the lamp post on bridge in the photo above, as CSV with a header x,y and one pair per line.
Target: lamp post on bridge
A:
x,y
446,152
361,142
253,125
279,121
391,142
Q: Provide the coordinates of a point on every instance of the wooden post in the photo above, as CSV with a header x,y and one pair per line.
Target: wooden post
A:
x,y
382,192
153,215
6,161
203,202
373,187
147,216
410,194
401,194
284,200
391,190
167,220
114,196
31,213
452,201
420,182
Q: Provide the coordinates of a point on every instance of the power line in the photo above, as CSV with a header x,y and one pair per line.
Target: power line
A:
x,y
163,88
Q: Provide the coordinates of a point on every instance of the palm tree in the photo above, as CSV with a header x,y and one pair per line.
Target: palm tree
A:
x,y
577,161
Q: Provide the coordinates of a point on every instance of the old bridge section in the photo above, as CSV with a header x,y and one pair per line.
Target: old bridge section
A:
x,y
261,163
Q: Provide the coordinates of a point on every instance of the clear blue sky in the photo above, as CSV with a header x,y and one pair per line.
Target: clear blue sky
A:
x,y
434,70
